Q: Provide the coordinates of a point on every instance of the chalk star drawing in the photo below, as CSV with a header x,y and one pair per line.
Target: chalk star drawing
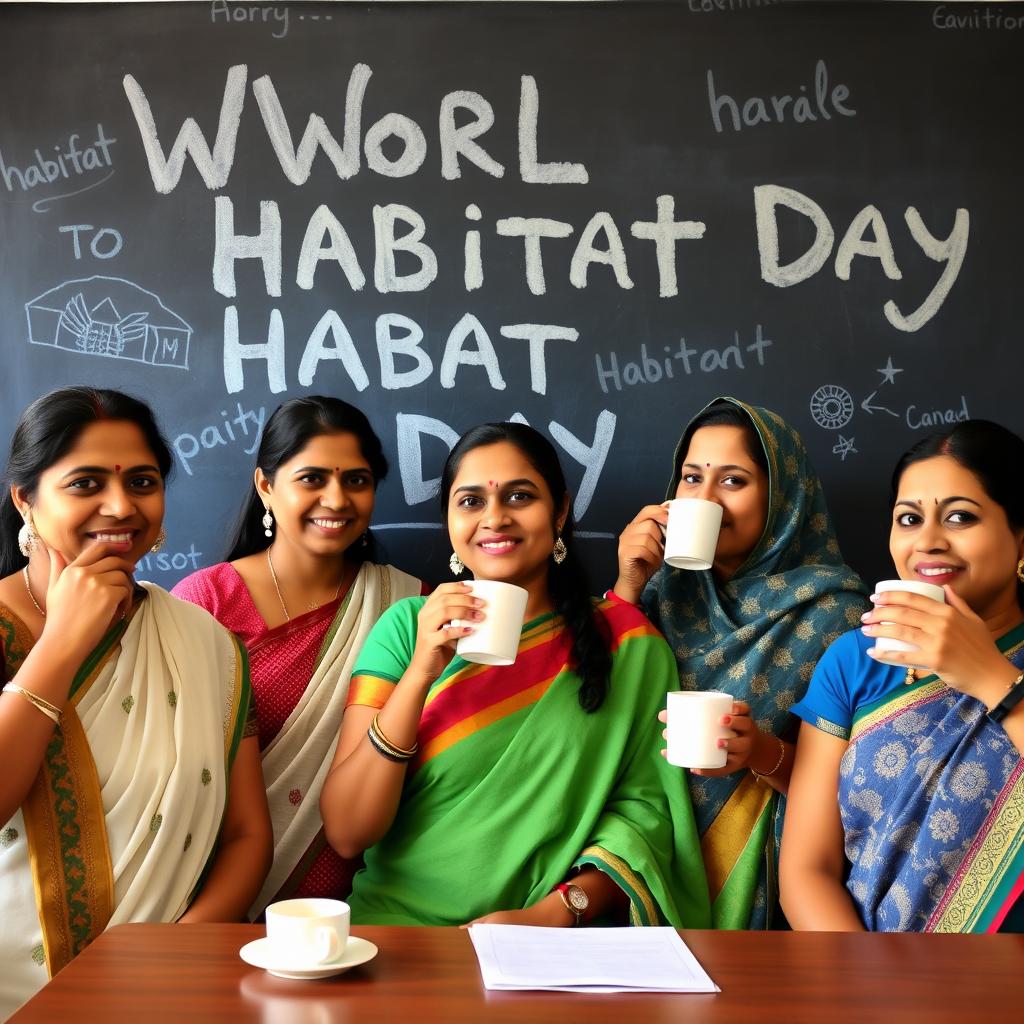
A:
x,y
889,372
831,407
112,317
844,447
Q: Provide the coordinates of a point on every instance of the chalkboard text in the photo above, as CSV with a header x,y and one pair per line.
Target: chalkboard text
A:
x,y
456,142
946,16
171,561
69,161
921,420
684,361
251,14
754,110
866,236
248,421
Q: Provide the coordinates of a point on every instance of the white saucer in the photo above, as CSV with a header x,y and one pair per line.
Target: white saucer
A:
x,y
261,953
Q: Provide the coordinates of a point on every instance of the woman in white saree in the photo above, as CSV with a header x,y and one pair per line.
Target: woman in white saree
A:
x,y
130,784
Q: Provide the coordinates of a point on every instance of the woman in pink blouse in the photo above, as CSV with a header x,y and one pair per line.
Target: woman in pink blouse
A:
x,y
301,590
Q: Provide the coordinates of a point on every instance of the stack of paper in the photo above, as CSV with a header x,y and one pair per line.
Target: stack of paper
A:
x,y
587,959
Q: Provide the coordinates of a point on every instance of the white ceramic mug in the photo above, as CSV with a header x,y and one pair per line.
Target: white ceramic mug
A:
x,y
308,931
692,533
936,593
495,637
694,728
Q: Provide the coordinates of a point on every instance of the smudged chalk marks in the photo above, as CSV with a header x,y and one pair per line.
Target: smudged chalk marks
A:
x,y
112,317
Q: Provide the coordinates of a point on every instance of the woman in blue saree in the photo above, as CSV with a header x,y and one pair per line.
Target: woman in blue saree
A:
x,y
923,747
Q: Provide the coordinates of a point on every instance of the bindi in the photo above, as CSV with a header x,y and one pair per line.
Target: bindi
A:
x,y
117,468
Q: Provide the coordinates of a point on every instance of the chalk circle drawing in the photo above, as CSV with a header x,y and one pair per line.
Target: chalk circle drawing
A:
x,y
108,316
831,406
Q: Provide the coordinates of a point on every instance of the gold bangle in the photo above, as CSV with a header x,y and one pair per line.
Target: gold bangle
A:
x,y
404,752
778,764
39,703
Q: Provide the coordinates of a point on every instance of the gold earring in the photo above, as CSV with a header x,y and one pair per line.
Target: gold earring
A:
x,y
559,551
161,539
1020,570
455,564
28,539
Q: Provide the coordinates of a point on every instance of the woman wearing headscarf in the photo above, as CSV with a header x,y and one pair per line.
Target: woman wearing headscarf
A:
x,y
754,626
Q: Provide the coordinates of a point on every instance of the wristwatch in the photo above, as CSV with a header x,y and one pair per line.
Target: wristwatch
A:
x,y
575,899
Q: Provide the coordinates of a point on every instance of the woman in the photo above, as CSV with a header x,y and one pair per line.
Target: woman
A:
x,y
532,793
301,590
128,784
753,625
924,748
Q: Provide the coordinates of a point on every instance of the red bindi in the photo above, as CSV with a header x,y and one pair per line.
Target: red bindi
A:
x,y
117,469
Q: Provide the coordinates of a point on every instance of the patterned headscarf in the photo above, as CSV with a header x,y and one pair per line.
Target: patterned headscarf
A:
x,y
760,635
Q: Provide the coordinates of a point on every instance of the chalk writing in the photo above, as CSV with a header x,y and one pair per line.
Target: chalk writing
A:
x,y
398,341
108,316
831,407
680,361
918,420
252,14
68,162
869,408
105,251
946,16
170,561
950,250
215,166
250,427
712,6
755,111
411,429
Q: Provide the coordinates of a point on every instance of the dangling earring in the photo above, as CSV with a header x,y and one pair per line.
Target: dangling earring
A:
x,y
268,522
366,538
161,539
559,551
455,564
1020,570
27,537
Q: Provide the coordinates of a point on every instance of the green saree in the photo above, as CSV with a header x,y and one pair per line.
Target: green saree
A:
x,y
515,785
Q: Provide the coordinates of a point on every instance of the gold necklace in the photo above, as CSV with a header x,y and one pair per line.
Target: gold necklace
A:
x,y
277,586
31,596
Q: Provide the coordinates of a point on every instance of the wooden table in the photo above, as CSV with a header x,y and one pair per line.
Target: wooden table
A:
x,y
146,974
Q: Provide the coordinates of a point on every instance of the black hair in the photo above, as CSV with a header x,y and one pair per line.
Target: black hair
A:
x,y
723,413
46,431
990,452
290,428
568,583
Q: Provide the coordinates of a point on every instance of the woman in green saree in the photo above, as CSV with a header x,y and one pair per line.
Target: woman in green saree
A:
x,y
754,625
531,793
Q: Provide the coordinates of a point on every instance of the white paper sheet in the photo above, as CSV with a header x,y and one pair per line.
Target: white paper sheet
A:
x,y
587,959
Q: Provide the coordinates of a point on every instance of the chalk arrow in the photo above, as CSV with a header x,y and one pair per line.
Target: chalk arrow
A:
x,y
869,408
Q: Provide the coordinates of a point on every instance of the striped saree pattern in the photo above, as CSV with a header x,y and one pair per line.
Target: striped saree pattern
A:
x,y
515,785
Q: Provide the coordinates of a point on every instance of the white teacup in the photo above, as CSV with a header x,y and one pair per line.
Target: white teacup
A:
x,y
495,638
694,728
936,593
692,533
308,931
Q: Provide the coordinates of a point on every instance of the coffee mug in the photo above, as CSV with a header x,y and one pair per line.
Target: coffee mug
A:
x,y
495,637
692,533
936,593
694,728
308,931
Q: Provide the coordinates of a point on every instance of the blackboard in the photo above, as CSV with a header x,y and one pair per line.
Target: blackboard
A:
x,y
837,186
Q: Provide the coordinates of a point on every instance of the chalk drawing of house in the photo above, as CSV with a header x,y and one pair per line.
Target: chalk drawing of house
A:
x,y
108,316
